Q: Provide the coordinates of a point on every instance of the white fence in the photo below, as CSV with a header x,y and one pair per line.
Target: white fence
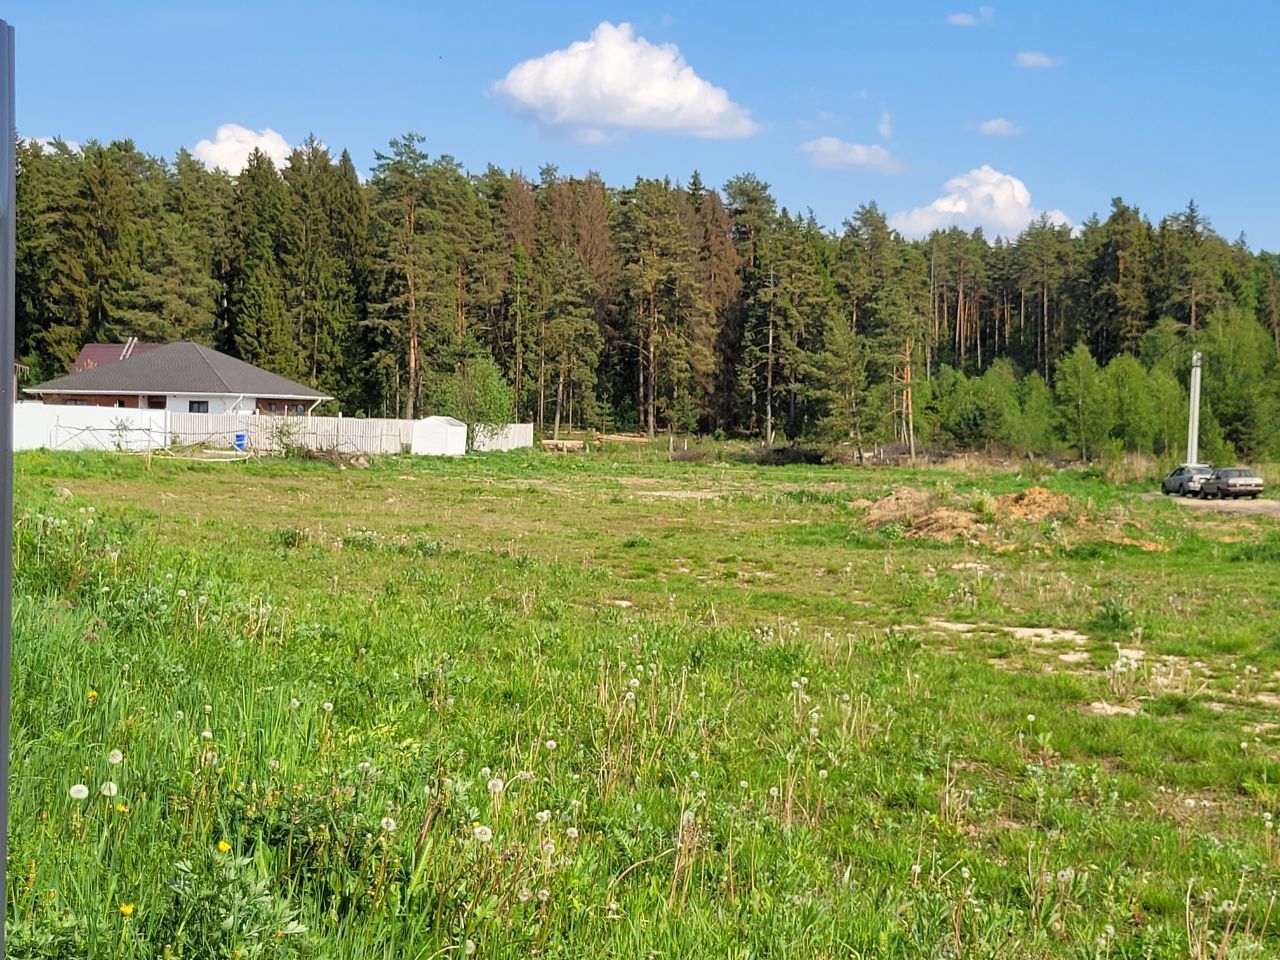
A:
x,y
512,436
272,434
58,427
52,427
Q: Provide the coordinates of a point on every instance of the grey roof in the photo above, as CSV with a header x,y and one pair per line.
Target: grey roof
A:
x,y
180,368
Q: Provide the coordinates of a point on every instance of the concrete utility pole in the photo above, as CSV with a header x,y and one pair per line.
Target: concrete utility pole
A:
x,y
1193,415
8,396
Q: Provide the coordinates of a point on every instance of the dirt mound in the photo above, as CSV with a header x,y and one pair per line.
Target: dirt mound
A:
x,y
1033,505
946,523
903,505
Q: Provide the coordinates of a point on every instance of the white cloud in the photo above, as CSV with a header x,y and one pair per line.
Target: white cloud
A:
x,y
999,127
232,144
831,153
886,124
969,20
619,81
998,202
1036,60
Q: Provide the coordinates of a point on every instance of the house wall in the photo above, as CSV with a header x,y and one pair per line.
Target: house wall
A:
x,y
174,403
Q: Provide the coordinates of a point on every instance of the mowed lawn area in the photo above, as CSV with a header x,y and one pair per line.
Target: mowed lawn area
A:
x,y
614,706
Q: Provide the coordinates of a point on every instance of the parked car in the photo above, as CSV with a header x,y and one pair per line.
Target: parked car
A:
x,y
1231,482
1186,480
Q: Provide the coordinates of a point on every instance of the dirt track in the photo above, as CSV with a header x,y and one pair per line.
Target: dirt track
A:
x,y
1265,508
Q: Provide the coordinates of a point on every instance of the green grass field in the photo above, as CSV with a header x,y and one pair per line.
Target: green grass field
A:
x,y
612,706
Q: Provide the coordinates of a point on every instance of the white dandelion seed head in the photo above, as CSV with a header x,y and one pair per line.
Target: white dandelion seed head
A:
x,y
548,846
469,947
496,786
544,895
543,816
179,716
915,869
181,592
294,704
114,757
551,744
364,766
964,873
208,708
571,833
525,776
773,792
206,734
813,733
525,895
78,791
482,833
109,789
1031,718
795,684
327,707
388,825
822,774
743,784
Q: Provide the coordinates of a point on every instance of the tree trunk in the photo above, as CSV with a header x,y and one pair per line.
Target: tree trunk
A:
x,y
559,401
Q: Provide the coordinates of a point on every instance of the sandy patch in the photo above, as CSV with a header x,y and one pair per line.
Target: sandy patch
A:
x,y
1101,708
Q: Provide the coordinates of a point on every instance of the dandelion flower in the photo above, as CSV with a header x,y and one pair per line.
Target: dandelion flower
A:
x,y
78,791
469,947
389,825
293,703
633,683
822,774
544,895
551,744
571,833
542,816
1031,718
224,847
694,774
109,789
743,784
327,707
482,833
122,808
364,766
548,846
126,909
773,792
496,786
179,716
114,757
525,895
92,695
181,592
206,734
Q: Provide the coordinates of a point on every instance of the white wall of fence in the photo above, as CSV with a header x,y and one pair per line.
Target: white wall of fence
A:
x,y
54,427
512,436
272,434
65,427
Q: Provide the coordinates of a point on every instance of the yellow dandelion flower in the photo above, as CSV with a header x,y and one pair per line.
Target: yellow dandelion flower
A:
x,y
126,909
224,847
93,695
122,808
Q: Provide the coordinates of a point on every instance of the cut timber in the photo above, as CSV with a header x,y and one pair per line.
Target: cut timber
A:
x,y
622,438
564,446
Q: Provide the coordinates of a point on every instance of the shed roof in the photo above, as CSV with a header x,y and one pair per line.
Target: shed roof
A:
x,y
184,367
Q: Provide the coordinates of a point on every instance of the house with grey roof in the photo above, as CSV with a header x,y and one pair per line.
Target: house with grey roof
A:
x,y
181,378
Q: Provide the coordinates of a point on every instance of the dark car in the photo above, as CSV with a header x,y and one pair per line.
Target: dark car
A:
x,y
1231,482
1186,480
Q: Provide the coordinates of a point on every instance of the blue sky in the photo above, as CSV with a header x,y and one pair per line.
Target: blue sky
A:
x,y
833,104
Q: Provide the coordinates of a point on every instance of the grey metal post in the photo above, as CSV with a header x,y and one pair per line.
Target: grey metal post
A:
x,y
1193,414
8,396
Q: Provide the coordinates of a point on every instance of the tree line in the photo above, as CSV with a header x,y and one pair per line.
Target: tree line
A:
x,y
657,306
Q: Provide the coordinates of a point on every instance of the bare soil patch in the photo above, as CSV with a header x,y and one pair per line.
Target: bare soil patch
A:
x,y
1033,505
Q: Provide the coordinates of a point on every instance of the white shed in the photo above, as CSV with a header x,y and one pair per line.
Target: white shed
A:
x,y
439,437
